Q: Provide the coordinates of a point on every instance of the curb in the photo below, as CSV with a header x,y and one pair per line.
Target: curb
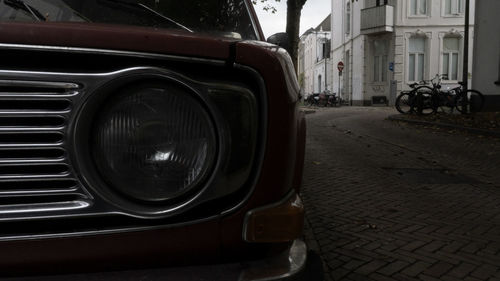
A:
x,y
448,126
308,111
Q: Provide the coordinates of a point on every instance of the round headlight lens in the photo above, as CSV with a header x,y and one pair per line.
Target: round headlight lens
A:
x,y
153,142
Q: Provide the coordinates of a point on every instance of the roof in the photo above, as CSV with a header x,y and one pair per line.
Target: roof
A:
x,y
323,26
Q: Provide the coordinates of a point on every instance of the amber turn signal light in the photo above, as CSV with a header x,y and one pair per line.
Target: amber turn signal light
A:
x,y
280,222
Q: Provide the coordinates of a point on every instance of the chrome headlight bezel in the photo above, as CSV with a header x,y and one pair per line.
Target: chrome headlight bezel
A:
x,y
89,172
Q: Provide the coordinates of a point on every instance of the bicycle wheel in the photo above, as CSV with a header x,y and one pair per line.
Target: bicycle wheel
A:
x,y
425,101
446,102
474,102
404,102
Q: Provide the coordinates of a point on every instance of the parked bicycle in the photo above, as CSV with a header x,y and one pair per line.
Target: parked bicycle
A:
x,y
420,94
326,98
312,100
423,99
331,99
474,100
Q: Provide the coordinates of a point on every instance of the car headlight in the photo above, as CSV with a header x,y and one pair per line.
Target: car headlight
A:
x,y
153,141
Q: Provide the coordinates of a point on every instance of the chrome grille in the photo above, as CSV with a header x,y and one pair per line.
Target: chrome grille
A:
x,y
45,169
36,178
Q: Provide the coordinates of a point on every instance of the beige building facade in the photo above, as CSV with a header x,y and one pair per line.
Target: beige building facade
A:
x,y
387,44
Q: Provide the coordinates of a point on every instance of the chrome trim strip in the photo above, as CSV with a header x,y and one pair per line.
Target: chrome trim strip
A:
x,y
36,176
31,145
32,161
109,52
30,129
38,84
37,192
34,112
79,75
254,24
43,207
68,94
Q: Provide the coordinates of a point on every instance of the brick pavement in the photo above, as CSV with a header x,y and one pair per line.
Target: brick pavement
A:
x,y
389,201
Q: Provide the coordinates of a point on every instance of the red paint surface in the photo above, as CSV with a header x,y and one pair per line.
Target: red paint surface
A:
x,y
208,242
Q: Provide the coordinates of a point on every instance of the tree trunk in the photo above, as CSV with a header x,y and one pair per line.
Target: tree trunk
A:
x,y
294,9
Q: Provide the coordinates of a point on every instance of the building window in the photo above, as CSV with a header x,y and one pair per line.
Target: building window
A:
x,y
454,7
323,49
451,50
416,59
319,84
379,61
381,2
348,18
418,7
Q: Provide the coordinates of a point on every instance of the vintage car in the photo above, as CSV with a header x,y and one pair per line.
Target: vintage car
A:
x,y
147,139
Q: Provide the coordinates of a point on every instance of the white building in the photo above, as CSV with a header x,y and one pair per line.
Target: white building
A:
x,y
486,68
387,44
314,65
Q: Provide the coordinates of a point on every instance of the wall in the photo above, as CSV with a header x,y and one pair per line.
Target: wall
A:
x,y
486,68
433,62
434,26
353,76
309,42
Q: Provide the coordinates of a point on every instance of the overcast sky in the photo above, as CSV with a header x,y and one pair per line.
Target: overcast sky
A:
x,y
313,13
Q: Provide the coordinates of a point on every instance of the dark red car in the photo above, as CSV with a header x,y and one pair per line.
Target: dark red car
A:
x,y
147,134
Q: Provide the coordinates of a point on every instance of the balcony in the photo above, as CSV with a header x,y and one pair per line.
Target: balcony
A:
x,y
377,20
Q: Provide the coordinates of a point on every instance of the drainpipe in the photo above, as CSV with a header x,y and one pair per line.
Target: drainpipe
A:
x,y
325,57
343,46
351,53
465,73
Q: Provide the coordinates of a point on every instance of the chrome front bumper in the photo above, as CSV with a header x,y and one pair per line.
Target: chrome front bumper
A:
x,y
287,266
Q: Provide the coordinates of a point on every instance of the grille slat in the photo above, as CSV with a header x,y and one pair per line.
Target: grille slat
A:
x,y
35,175
32,161
39,95
19,106
21,121
22,86
37,186
30,138
45,207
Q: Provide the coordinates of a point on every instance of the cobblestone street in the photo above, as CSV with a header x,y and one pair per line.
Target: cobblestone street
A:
x,y
392,201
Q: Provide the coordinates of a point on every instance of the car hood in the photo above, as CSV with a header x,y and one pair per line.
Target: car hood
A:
x,y
115,37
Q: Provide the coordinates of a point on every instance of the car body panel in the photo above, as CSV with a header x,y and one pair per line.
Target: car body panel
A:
x,y
214,240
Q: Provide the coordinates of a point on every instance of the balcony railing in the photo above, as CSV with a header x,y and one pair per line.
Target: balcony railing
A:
x,y
378,19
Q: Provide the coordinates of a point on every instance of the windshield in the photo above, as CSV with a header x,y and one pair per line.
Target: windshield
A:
x,y
229,18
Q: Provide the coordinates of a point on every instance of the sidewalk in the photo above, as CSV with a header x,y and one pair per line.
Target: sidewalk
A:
x,y
484,123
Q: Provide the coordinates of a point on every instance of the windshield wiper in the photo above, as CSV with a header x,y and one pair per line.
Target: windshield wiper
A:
x,y
165,17
19,4
148,9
